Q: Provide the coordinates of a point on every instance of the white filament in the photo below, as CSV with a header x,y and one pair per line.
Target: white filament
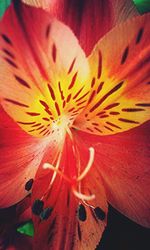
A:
x,y
89,165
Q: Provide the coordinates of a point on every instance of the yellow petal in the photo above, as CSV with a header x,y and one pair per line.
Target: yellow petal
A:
x,y
43,71
120,80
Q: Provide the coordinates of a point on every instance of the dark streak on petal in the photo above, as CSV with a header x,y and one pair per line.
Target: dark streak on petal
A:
x,y
76,95
6,39
139,35
71,66
51,230
104,116
98,130
68,199
128,121
57,108
91,96
68,98
54,50
132,109
36,125
79,232
125,55
16,103
82,96
45,119
108,128
100,87
45,105
99,65
26,123
113,125
8,53
47,30
111,106
117,87
11,62
93,82
51,92
61,92
22,82
143,104
73,81
32,113
114,113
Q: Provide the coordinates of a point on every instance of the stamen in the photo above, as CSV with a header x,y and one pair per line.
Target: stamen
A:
x,y
37,207
83,196
56,170
89,165
79,195
82,213
45,214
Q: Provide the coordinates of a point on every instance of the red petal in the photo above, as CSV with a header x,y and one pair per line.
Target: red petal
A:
x,y
63,229
89,20
123,162
20,156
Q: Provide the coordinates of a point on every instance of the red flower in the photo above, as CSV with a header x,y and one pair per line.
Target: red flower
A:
x,y
71,125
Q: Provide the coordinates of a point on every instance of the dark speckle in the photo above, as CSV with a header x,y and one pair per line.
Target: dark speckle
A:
x,y
100,214
81,213
125,55
46,213
139,35
29,184
37,207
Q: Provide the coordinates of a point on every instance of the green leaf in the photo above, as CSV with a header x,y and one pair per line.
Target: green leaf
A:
x,y
27,229
143,6
3,6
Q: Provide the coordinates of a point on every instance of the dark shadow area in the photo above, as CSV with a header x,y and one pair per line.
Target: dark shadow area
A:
x,y
123,234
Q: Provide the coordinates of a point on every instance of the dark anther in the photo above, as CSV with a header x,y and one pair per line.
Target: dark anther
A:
x,y
82,213
37,207
46,213
29,184
100,214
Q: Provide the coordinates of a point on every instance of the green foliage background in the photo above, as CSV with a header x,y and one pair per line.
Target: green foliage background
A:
x,y
3,6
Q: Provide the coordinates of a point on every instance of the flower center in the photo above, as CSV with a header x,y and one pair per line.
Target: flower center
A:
x,y
74,182
72,172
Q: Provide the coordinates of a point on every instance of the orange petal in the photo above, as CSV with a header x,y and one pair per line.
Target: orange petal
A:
x,y
88,17
63,229
123,162
42,75
20,156
120,82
